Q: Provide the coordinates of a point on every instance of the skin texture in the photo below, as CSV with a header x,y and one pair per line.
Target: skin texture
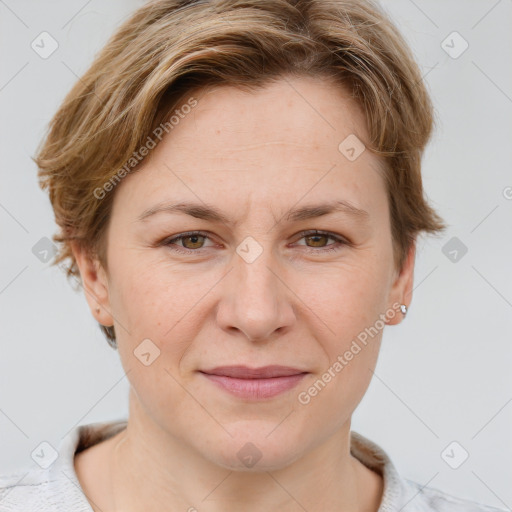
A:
x,y
254,156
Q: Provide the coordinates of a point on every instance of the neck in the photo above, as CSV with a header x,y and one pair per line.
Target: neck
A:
x,y
152,470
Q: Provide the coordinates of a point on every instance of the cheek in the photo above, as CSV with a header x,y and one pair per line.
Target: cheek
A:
x,y
341,383
154,300
347,305
169,308
159,391
345,299
154,306
330,398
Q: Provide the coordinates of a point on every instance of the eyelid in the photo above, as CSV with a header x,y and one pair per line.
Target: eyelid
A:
x,y
329,234
339,241
185,234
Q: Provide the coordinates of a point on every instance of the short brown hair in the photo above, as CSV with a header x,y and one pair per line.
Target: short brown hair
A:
x,y
169,47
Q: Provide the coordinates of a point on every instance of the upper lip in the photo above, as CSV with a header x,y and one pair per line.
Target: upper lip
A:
x,y
263,372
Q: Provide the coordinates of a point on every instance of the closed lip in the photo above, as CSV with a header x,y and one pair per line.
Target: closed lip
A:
x,y
245,372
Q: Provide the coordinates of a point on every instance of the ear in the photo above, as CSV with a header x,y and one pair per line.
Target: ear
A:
x,y
401,291
95,284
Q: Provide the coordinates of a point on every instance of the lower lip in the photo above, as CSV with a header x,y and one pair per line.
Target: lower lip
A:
x,y
256,389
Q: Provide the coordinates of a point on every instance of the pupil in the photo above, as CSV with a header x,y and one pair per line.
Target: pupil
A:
x,y
316,237
194,239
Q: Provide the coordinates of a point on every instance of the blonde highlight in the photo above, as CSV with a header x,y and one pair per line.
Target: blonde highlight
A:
x,y
169,48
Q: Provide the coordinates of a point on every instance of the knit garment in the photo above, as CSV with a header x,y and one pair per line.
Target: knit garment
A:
x,y
57,489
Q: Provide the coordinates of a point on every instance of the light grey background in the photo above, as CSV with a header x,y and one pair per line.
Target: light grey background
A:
x,y
443,375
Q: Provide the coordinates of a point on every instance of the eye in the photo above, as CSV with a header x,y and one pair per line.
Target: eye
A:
x,y
193,241
319,238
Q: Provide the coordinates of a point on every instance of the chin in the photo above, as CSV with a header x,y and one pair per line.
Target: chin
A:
x,y
255,447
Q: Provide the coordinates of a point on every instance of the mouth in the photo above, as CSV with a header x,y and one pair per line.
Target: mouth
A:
x,y
255,383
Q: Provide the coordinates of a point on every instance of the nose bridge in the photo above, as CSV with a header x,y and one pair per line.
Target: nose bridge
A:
x,y
258,303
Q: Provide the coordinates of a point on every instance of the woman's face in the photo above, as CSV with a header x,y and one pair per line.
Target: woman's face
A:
x,y
252,289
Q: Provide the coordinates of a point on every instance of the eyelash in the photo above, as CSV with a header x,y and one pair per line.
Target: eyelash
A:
x,y
340,242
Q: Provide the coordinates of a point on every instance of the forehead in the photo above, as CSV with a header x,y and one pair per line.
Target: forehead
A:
x,y
278,142
300,112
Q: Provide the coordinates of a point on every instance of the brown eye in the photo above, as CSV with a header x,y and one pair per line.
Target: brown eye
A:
x,y
187,242
317,240
192,241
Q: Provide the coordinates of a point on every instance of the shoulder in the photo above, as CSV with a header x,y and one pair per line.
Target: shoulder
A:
x,y
402,494
429,499
36,490
53,486
43,490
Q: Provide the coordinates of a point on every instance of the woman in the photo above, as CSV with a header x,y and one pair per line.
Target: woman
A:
x,y
239,192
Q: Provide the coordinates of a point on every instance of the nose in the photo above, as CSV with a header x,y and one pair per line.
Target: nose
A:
x,y
256,299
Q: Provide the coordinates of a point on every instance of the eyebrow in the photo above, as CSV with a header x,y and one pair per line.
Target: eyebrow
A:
x,y
211,213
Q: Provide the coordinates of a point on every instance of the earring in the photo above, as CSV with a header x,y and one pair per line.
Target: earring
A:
x,y
403,309
97,310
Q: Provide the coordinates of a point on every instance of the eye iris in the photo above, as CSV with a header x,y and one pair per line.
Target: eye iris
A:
x,y
309,237
196,241
193,237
